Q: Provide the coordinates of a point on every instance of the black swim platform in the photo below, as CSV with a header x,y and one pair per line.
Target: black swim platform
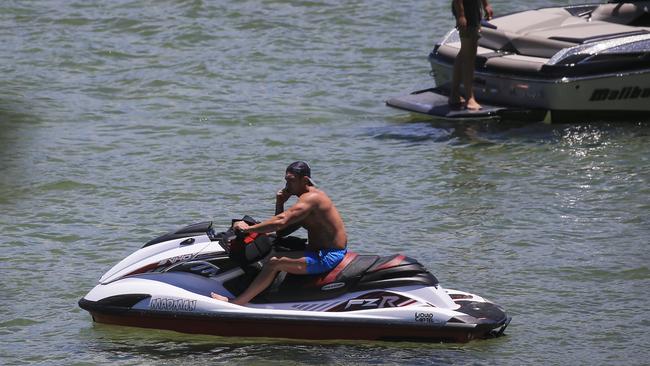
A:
x,y
433,102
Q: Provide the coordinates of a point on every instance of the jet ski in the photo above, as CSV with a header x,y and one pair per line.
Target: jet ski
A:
x,y
588,61
167,284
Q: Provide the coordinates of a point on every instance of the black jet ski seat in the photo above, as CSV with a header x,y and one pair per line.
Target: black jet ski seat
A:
x,y
354,273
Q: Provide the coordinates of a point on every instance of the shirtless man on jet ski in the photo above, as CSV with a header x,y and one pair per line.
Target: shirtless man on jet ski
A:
x,y
314,211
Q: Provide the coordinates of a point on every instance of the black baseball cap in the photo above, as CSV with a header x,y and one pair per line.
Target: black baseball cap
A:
x,y
301,168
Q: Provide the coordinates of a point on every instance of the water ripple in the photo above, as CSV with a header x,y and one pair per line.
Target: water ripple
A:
x,y
120,121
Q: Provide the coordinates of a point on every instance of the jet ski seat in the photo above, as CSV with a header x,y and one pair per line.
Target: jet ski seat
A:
x,y
354,273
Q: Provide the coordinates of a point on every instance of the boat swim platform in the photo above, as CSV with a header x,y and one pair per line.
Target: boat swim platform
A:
x,y
434,103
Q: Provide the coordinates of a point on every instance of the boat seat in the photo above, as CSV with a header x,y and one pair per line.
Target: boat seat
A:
x,y
516,64
544,32
489,60
531,21
450,50
526,45
621,13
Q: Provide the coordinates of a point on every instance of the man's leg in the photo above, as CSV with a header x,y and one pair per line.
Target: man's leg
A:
x,y
468,46
290,262
454,93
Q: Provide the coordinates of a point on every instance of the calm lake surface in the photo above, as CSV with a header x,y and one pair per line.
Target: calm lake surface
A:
x,y
121,120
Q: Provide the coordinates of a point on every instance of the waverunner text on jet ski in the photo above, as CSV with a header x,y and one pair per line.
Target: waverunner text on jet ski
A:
x,y
167,284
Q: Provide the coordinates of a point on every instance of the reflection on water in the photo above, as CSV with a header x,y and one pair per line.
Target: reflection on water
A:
x,y
418,128
15,118
17,123
125,344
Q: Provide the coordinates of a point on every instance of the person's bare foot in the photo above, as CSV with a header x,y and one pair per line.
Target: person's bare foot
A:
x,y
472,105
219,297
455,99
456,102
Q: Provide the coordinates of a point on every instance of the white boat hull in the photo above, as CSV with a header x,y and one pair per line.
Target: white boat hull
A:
x,y
628,92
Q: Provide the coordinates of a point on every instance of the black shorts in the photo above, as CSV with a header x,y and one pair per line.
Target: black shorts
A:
x,y
470,32
473,12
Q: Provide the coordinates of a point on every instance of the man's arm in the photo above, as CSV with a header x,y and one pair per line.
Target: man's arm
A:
x,y
288,230
461,21
489,13
280,198
295,214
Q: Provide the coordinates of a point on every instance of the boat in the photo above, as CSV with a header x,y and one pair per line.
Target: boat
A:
x,y
167,284
588,61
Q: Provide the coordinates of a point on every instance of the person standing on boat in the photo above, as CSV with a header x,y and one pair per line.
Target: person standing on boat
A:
x,y
314,211
468,22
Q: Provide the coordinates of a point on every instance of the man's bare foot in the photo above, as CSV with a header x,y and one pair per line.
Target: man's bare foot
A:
x,y
219,297
472,105
455,99
456,103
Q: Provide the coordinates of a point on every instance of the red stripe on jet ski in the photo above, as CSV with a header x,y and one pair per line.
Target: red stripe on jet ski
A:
x,y
144,269
407,303
391,263
331,276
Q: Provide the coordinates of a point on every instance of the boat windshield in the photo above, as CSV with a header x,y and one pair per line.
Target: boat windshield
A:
x,y
627,45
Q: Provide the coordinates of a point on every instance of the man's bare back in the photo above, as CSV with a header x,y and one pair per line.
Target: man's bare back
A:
x,y
324,225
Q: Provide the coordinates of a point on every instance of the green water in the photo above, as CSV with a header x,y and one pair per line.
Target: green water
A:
x,y
122,120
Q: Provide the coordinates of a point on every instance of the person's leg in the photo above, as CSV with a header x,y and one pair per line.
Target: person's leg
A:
x,y
455,100
454,93
290,262
331,258
468,49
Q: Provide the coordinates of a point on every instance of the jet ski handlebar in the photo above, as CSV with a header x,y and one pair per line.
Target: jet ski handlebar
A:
x,y
245,248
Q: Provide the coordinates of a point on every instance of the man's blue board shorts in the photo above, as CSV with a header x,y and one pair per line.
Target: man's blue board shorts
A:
x,y
324,260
